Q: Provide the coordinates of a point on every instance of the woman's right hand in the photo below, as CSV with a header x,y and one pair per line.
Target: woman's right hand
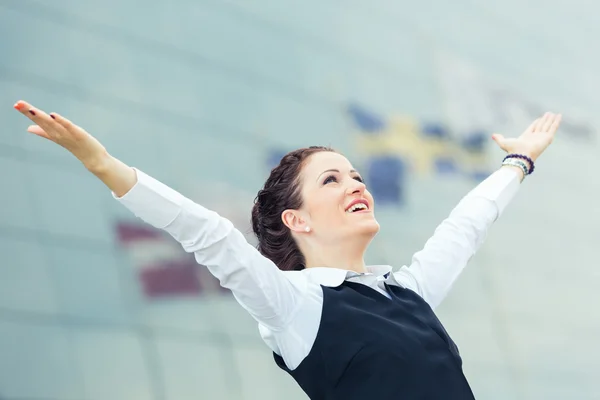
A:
x,y
116,175
63,132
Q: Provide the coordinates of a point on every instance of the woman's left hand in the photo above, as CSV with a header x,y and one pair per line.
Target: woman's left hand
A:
x,y
536,138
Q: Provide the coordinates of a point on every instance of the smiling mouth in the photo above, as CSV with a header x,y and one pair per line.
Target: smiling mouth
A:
x,y
357,208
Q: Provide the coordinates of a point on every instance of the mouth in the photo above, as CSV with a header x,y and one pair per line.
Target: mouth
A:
x,y
357,206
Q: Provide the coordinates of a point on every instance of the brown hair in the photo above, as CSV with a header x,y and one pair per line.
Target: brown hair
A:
x,y
281,192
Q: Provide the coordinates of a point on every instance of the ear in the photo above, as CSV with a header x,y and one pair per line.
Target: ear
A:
x,y
294,221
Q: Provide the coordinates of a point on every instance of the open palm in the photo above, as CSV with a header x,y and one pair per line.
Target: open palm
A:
x,y
534,140
63,132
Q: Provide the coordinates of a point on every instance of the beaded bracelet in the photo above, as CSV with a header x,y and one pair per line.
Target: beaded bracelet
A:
x,y
517,163
522,157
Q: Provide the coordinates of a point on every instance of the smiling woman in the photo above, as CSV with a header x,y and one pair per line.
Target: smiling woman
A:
x,y
342,329
301,214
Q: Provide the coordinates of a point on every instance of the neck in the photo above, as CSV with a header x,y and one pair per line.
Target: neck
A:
x,y
349,256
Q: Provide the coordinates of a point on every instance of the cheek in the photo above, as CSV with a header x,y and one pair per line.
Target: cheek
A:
x,y
370,198
324,211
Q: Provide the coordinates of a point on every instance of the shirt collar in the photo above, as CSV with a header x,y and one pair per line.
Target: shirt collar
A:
x,y
333,277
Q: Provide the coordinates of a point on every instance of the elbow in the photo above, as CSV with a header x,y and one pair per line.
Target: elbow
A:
x,y
196,233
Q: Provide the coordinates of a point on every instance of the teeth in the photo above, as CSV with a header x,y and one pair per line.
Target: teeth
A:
x,y
358,206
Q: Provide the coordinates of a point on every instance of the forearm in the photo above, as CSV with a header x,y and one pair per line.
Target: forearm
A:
x,y
115,174
518,170
257,284
435,268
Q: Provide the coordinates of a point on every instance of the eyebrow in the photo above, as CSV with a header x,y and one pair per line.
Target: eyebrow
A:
x,y
352,171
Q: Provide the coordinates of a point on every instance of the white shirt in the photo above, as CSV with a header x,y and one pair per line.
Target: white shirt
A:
x,y
288,304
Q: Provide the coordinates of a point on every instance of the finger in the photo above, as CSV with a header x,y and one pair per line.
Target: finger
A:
x,y
36,130
36,115
25,108
532,126
65,123
548,122
499,139
540,123
555,124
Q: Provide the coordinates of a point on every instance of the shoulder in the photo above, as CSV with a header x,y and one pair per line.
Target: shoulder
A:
x,y
294,342
298,278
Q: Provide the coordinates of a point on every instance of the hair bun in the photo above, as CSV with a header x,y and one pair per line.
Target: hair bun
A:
x,y
279,193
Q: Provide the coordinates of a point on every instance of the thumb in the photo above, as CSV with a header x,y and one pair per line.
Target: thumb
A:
x,y
499,139
36,130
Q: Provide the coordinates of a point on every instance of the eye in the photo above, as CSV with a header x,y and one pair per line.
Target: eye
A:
x,y
358,178
329,179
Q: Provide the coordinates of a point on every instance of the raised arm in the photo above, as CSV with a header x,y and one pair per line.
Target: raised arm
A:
x,y
258,285
435,268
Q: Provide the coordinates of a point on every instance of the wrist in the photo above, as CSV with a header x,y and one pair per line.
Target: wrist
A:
x,y
521,160
516,170
98,164
526,153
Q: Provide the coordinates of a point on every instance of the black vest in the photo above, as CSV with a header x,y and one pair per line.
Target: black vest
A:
x,y
369,347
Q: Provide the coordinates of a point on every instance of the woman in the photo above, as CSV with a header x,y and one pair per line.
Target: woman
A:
x,y
342,329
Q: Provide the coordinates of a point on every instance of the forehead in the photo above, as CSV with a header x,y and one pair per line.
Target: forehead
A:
x,y
324,160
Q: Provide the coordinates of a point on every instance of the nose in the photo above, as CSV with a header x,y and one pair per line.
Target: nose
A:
x,y
356,187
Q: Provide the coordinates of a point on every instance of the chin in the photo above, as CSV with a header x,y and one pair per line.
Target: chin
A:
x,y
370,227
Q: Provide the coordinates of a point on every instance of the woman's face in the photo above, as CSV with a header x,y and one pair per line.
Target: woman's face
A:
x,y
336,203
